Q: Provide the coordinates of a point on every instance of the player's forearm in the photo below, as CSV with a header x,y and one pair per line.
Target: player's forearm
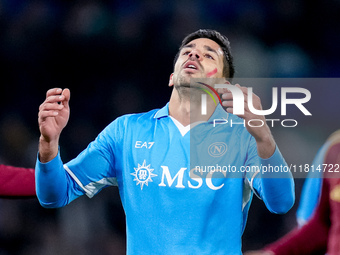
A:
x,y
51,183
279,194
265,143
48,150
277,183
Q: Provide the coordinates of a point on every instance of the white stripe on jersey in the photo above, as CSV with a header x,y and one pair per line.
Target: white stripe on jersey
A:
x,y
93,187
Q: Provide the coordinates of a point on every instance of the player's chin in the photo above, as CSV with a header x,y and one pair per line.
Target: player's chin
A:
x,y
183,81
182,85
188,77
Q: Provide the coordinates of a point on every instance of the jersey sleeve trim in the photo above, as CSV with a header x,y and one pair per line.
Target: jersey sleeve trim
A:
x,y
246,193
252,184
93,187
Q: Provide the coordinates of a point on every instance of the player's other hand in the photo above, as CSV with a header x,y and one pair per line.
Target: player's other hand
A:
x,y
53,116
54,113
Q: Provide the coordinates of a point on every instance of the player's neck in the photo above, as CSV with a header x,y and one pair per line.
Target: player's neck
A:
x,y
187,110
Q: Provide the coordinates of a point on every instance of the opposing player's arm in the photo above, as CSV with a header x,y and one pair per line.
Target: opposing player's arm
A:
x,y
16,182
313,237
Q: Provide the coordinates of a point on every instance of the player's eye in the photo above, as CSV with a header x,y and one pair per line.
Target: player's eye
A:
x,y
208,56
186,52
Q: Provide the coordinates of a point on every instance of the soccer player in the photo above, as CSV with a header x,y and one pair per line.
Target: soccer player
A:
x,y
171,208
16,182
321,233
310,194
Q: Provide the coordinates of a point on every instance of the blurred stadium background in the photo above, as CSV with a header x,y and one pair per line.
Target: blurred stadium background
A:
x,y
116,57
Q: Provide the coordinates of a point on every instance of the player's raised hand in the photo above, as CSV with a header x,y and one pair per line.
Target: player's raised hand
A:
x,y
53,116
258,127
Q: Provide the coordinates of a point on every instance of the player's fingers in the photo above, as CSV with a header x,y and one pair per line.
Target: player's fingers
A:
x,y
256,102
227,96
244,89
228,103
50,106
67,95
223,90
58,95
45,114
52,100
54,91
231,110
55,99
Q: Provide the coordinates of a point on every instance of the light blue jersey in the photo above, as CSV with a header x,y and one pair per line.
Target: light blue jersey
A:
x,y
170,207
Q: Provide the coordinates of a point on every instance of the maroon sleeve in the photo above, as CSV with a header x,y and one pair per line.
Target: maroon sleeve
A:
x,y
312,237
16,181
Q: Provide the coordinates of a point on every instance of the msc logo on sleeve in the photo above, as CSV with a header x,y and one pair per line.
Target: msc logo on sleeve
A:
x,y
217,149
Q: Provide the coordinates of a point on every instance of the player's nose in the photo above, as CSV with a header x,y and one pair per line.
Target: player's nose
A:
x,y
195,54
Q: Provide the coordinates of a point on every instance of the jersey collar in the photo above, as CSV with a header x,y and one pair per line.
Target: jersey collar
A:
x,y
163,112
219,111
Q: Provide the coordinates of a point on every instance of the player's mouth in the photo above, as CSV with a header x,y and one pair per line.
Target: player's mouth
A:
x,y
191,67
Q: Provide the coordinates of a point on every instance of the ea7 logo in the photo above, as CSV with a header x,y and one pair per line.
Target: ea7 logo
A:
x,y
140,144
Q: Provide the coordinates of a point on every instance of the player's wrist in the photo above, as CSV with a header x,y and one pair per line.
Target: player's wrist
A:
x,y
266,147
48,150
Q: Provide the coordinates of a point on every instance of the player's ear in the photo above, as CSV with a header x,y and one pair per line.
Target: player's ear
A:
x,y
171,82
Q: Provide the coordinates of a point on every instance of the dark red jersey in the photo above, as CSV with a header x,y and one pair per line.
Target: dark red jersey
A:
x,y
321,234
16,181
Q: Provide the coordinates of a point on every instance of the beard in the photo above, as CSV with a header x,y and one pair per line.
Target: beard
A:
x,y
188,88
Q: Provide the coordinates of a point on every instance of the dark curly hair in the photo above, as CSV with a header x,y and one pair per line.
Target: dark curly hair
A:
x,y
221,40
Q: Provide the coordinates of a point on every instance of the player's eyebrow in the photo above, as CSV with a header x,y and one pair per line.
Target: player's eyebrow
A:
x,y
191,45
208,48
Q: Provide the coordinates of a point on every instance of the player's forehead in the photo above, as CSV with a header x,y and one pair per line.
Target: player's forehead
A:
x,y
204,43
